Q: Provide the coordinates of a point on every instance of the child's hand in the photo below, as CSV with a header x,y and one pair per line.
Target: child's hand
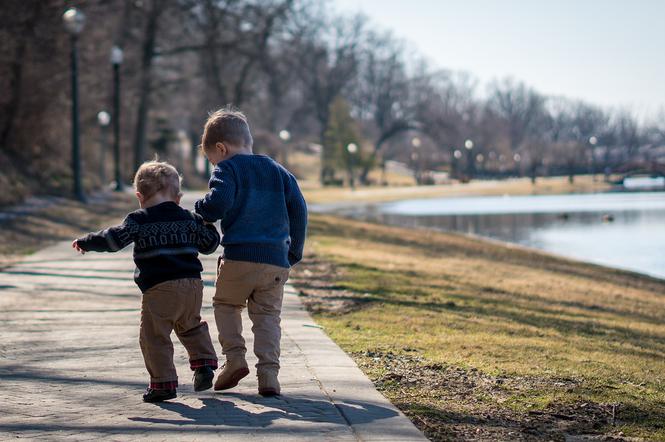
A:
x,y
75,246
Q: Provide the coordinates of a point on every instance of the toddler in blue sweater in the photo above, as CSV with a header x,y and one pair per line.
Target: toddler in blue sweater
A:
x,y
263,218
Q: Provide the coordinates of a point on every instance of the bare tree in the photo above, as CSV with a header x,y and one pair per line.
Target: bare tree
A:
x,y
381,94
522,110
328,63
448,113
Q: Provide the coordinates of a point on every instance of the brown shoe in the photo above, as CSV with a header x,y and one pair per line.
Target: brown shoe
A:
x,y
268,383
232,372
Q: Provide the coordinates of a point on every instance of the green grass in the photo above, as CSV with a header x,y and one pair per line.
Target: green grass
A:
x,y
541,340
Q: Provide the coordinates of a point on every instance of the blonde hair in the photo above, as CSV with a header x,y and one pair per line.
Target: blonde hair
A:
x,y
228,125
156,176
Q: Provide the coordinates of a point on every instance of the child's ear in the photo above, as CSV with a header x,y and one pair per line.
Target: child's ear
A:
x,y
139,196
222,148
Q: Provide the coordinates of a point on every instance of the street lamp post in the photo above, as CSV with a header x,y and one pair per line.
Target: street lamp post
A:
x,y
103,118
415,157
74,20
454,166
480,158
593,141
116,60
285,136
352,148
517,158
468,145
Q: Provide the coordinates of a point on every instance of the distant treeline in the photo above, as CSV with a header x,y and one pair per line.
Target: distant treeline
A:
x,y
291,65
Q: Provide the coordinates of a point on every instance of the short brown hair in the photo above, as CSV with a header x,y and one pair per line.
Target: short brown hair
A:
x,y
156,176
228,125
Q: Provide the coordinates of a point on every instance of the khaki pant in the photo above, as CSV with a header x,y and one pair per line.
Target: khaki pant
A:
x,y
174,305
261,288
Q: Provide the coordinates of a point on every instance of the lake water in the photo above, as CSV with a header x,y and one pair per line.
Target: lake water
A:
x,y
624,229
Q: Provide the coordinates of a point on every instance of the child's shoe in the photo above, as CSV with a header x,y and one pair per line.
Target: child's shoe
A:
x,y
158,395
268,383
203,377
232,372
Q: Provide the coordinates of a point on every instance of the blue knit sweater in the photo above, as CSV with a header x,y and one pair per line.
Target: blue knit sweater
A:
x,y
262,211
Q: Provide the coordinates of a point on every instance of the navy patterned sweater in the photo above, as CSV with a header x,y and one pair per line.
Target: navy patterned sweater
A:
x,y
262,211
167,239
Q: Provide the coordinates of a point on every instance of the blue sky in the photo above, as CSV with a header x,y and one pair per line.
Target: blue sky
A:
x,y
609,52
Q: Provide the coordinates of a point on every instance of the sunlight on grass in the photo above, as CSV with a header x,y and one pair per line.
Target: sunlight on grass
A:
x,y
578,333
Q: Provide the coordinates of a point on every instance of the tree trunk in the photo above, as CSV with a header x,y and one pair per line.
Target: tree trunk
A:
x,y
16,76
146,82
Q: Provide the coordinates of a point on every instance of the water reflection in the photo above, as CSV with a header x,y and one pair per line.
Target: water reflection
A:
x,y
633,238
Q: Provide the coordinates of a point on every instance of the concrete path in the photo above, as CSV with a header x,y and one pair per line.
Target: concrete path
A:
x,y
70,367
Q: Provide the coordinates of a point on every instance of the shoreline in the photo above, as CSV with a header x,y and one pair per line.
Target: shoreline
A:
x,y
505,243
316,195
349,210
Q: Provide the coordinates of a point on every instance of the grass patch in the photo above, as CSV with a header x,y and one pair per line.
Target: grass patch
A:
x,y
475,340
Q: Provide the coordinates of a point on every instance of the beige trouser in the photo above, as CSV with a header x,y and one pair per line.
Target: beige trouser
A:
x,y
261,288
174,305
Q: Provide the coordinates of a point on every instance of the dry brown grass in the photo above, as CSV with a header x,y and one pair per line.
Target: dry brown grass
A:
x,y
536,336
60,219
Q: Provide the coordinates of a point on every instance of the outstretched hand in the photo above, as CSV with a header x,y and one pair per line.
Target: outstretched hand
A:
x,y
75,246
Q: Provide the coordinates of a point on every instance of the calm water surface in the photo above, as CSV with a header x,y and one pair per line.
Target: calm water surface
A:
x,y
624,230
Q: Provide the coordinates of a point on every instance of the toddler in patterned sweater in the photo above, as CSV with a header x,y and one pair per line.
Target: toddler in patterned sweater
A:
x,y
167,240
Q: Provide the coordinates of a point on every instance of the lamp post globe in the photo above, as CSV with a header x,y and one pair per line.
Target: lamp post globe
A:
x,y
416,142
284,135
116,55
468,144
352,148
103,118
74,20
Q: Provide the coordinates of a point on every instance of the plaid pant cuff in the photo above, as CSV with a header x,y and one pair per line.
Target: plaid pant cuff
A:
x,y
170,385
198,363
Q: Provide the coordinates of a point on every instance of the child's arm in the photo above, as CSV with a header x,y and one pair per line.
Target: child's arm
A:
x,y
108,240
297,210
219,200
208,236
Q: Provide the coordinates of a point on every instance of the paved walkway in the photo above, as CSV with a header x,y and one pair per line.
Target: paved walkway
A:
x,y
70,367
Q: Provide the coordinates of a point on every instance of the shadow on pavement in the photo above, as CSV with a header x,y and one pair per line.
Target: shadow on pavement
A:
x,y
24,373
356,411
217,411
63,275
